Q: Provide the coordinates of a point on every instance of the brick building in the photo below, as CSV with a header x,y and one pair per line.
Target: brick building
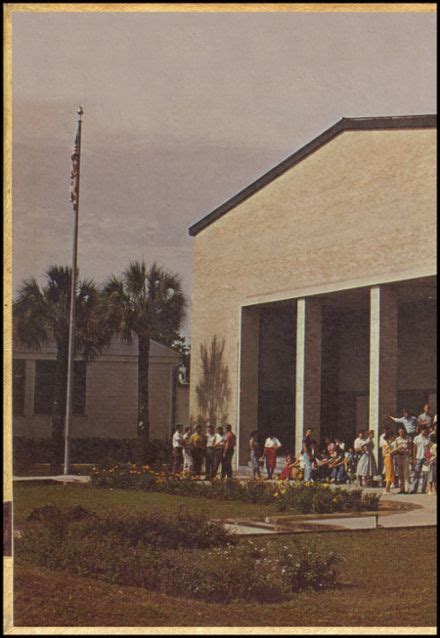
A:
x,y
105,392
319,282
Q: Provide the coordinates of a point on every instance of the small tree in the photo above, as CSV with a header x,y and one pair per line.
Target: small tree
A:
x,y
213,391
150,304
41,315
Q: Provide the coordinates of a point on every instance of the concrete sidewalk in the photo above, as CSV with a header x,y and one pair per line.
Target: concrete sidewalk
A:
x,y
420,511
424,512
62,478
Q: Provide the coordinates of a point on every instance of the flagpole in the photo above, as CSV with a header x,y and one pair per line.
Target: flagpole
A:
x,y
74,196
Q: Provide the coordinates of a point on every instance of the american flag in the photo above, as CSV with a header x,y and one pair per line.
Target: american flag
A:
x,y
74,174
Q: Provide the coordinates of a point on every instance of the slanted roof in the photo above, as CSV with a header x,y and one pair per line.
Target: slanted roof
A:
x,y
344,124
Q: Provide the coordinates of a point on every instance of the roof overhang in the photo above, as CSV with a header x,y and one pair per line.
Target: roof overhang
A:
x,y
344,124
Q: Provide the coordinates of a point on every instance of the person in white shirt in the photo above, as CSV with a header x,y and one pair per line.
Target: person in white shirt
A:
x,y
211,439
271,445
178,443
420,445
424,420
188,463
407,420
219,446
403,446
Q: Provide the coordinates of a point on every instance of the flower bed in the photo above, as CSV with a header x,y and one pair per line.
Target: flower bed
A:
x,y
180,556
287,496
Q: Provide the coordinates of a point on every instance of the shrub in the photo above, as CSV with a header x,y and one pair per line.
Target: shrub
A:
x,y
309,570
52,513
105,451
220,574
183,529
300,497
154,529
322,499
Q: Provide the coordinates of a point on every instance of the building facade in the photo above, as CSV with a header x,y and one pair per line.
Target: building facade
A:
x,y
319,282
105,392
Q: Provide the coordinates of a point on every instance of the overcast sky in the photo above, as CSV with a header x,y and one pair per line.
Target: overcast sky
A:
x,y
181,111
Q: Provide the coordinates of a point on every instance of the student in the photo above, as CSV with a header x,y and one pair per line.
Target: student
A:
x,y
290,463
209,451
359,450
228,452
385,429
197,445
403,445
322,459
188,464
219,446
350,462
271,445
408,421
425,419
337,466
366,468
388,450
309,448
178,443
420,445
432,467
254,453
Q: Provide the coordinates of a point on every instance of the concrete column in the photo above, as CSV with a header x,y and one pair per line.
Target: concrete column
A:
x,y
308,369
29,387
383,358
249,373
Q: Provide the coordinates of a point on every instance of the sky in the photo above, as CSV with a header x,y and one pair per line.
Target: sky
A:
x,y
182,111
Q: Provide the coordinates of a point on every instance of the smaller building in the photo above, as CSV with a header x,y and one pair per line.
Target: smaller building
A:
x,y
105,392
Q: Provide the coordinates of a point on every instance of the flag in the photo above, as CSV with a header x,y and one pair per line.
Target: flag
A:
x,y
74,174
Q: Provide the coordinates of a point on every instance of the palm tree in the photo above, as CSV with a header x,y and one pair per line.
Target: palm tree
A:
x,y
41,315
148,304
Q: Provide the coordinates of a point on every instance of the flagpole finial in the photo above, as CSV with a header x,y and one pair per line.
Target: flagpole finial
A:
x,y
80,111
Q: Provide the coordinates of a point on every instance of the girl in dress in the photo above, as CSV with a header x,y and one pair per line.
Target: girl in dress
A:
x,y
290,464
271,446
388,452
358,452
432,467
366,467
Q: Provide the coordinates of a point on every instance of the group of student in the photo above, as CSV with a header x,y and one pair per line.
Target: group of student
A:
x,y
413,447
208,452
408,456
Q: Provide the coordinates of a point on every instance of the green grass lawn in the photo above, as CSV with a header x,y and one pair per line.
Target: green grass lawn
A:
x,y
28,496
388,577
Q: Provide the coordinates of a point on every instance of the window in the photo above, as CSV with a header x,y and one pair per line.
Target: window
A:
x,y
44,386
18,381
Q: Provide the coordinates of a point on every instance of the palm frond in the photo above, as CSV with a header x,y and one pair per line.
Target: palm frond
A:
x,y
134,278
30,314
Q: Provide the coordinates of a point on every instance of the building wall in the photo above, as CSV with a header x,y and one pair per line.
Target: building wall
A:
x,y
111,397
417,364
182,404
358,211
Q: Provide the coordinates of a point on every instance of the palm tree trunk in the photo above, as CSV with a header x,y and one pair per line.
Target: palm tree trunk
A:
x,y
59,411
143,428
